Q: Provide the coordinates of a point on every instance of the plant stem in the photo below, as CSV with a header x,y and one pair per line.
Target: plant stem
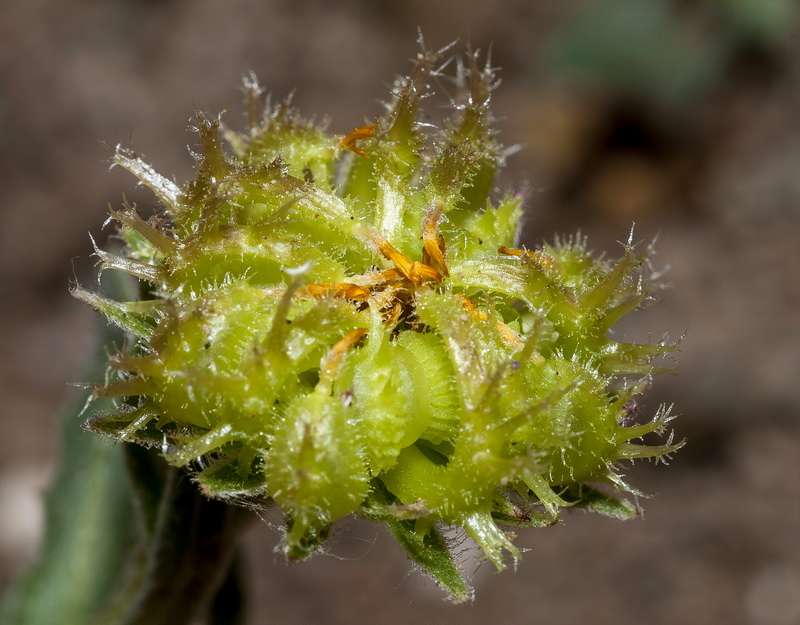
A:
x,y
188,552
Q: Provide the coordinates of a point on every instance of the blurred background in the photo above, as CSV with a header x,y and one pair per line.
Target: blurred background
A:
x,y
681,116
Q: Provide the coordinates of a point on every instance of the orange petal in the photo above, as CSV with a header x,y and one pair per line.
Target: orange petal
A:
x,y
330,366
433,242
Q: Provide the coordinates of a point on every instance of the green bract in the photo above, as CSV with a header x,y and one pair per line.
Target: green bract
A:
x,y
343,324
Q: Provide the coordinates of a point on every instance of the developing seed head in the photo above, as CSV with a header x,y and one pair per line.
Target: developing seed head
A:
x,y
344,324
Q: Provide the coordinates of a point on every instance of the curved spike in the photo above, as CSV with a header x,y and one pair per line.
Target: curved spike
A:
x,y
150,273
118,313
163,188
483,530
139,419
197,447
212,162
130,218
541,488
601,293
629,451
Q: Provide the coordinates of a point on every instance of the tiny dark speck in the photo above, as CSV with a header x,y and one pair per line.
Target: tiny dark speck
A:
x,y
480,241
347,397
288,321
515,365
207,345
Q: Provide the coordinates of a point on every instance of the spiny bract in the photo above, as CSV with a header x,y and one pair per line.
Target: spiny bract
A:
x,y
344,324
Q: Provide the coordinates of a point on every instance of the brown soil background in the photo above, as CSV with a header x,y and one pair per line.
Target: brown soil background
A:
x,y
714,168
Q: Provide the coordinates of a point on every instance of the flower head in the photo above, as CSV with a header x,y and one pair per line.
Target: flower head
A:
x,y
345,324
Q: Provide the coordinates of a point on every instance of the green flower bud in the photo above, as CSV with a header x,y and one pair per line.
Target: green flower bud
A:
x,y
343,324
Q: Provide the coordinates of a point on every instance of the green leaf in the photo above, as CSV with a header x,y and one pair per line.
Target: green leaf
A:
x,y
431,553
428,549
88,530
